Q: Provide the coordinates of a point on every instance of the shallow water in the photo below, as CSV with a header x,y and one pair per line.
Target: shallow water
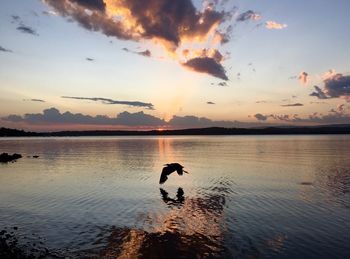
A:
x,y
245,196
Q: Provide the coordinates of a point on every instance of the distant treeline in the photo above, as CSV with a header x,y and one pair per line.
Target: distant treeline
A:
x,y
329,129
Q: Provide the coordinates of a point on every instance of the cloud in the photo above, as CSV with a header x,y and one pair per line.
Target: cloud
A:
x,y
341,108
292,105
27,29
207,65
335,86
210,103
149,106
4,49
202,122
318,103
260,117
172,24
303,78
34,100
319,93
50,13
92,4
54,116
90,59
334,117
222,84
248,16
145,53
272,25
15,19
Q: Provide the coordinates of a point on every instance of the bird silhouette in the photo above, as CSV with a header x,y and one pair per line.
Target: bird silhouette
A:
x,y
170,168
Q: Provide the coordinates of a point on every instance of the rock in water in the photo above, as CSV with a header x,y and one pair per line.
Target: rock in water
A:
x,y
5,157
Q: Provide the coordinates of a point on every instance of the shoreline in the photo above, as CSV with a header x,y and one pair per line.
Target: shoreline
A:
x,y
312,130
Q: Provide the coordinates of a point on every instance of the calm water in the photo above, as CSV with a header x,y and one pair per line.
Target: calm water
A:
x,y
245,196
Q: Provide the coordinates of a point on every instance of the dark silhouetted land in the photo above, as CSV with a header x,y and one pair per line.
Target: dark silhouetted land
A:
x,y
327,129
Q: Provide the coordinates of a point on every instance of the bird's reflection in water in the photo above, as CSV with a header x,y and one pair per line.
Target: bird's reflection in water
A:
x,y
180,198
190,227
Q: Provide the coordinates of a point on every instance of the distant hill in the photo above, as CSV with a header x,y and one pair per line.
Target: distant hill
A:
x,y
327,129
5,132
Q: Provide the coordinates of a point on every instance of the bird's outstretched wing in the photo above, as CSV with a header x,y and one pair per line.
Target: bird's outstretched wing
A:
x,y
164,175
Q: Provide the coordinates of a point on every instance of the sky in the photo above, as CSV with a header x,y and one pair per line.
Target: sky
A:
x,y
168,64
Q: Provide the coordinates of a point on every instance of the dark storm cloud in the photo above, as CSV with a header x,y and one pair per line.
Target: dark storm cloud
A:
x,y
27,29
34,100
54,116
145,53
207,65
248,16
90,59
335,86
149,106
292,105
210,103
260,117
4,49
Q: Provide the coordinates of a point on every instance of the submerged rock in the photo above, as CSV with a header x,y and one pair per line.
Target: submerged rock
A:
x,y
5,157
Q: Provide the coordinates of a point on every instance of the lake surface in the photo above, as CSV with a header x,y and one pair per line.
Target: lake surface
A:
x,y
245,196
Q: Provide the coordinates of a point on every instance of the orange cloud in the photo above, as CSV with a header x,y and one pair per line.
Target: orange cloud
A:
x,y
303,78
272,25
175,25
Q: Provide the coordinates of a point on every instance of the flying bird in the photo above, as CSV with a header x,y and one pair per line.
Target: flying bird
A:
x,y
170,168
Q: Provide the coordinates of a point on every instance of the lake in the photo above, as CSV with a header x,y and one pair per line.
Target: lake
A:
x,y
244,196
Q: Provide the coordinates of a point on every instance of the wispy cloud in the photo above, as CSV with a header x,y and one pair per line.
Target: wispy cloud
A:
x,y
272,25
145,53
4,49
303,78
260,117
319,93
149,106
27,29
292,105
34,100
248,16
333,117
16,18
50,13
